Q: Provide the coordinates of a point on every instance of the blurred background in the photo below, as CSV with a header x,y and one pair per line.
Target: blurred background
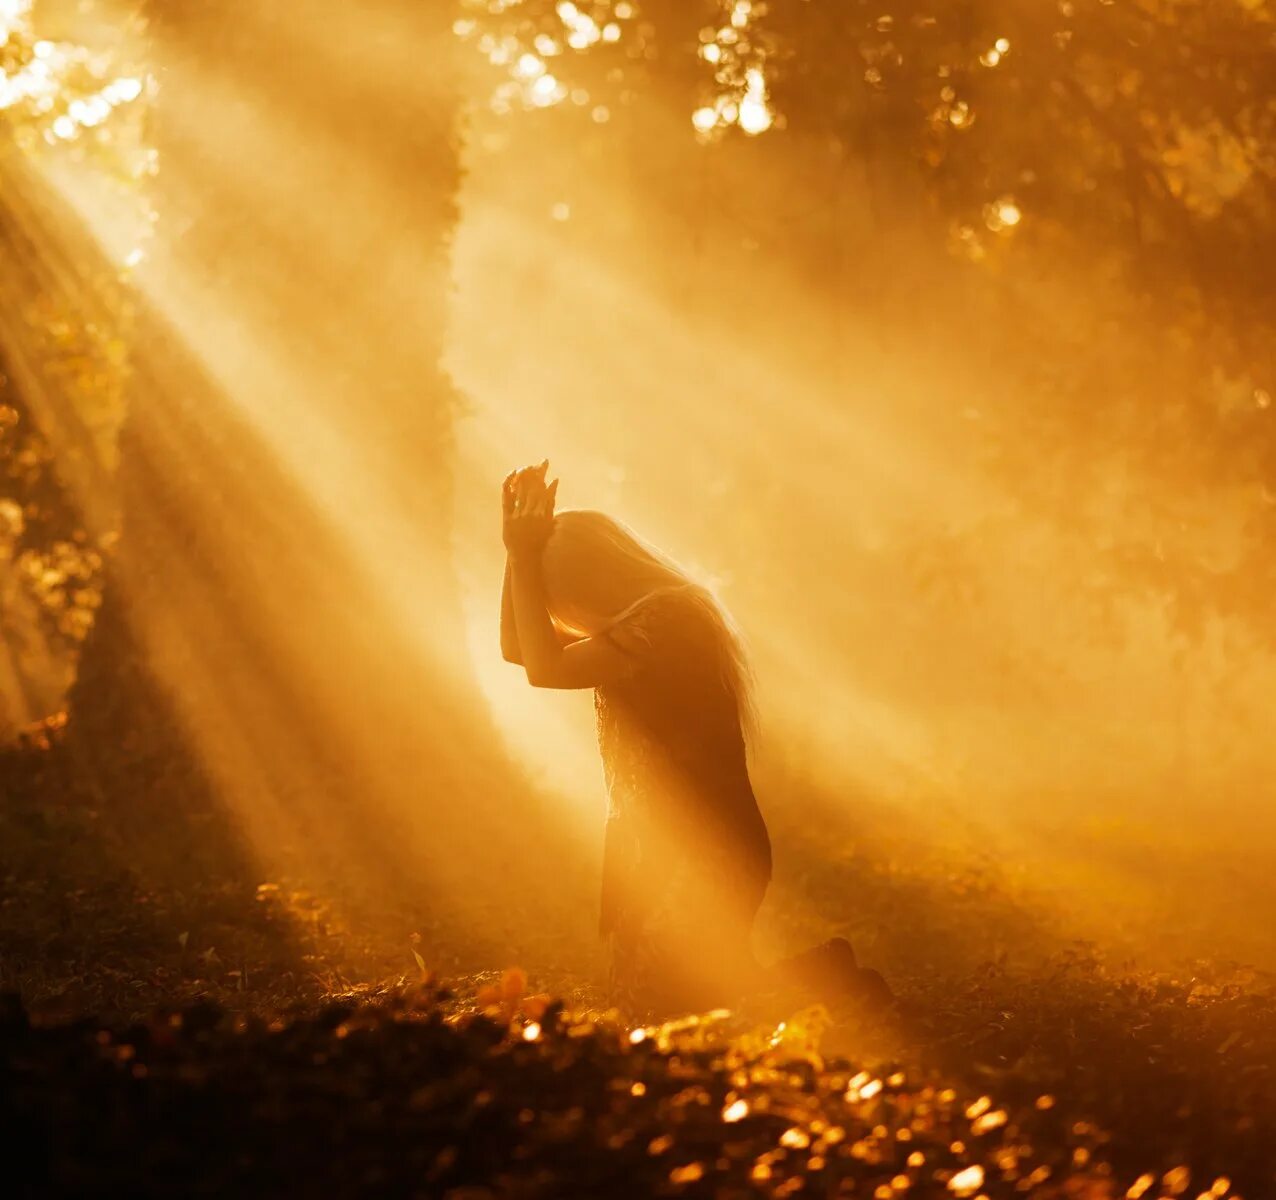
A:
x,y
938,338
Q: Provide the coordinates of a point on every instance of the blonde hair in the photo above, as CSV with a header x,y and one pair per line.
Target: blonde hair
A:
x,y
598,573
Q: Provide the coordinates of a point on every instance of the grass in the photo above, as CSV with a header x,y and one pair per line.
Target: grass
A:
x,y
122,911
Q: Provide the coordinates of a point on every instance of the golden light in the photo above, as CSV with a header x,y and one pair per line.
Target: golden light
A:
x,y
651,390
704,119
583,30
13,15
1002,214
967,1181
755,115
723,372
529,67
546,91
349,494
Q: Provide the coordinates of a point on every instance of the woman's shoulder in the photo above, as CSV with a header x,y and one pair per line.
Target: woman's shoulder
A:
x,y
655,623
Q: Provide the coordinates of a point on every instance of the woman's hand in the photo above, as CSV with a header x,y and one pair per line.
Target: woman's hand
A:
x,y
527,510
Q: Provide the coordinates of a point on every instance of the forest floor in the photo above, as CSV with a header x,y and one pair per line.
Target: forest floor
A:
x,y
212,1032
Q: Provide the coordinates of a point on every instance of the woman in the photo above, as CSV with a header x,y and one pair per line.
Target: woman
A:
x,y
686,857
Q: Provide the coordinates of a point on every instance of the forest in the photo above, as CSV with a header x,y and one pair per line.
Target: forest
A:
x,y
936,340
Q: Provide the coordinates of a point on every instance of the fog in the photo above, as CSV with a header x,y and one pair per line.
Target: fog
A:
x,y
938,659
974,604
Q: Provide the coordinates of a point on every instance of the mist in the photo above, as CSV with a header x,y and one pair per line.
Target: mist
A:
x,y
948,660
933,341
995,629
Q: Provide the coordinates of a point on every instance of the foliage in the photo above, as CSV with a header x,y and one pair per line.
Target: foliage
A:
x,y
123,913
1130,135
1138,129
64,107
1099,174
41,537
57,91
539,1102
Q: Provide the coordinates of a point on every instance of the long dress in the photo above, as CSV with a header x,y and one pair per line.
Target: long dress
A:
x,y
686,856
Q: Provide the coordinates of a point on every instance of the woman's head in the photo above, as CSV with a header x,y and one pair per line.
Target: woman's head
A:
x,y
596,569
597,572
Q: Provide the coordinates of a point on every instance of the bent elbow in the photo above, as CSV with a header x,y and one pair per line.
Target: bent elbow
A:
x,y
511,655
544,674
538,678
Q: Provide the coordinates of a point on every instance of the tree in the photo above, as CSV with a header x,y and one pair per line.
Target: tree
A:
x,y
61,351
1095,175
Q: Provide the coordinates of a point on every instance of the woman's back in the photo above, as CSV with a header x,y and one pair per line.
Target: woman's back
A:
x,y
680,803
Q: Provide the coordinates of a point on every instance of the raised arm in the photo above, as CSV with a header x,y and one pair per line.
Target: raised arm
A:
x,y
510,650
528,633
587,663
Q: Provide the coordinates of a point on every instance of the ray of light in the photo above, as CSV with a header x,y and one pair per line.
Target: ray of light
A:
x,y
350,675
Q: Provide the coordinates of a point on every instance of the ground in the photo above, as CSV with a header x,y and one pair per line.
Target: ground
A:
x,y
201,1030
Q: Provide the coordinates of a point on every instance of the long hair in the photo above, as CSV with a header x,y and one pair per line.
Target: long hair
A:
x,y
598,572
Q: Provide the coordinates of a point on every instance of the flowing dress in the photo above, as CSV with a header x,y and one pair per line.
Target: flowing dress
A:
x,y
686,855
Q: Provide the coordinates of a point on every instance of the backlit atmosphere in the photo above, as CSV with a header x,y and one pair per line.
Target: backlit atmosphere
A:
x,y
636,598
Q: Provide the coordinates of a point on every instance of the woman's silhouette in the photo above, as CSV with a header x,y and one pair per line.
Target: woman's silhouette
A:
x,y
686,857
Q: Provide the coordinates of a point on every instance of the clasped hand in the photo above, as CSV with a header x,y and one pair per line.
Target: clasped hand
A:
x,y
527,510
